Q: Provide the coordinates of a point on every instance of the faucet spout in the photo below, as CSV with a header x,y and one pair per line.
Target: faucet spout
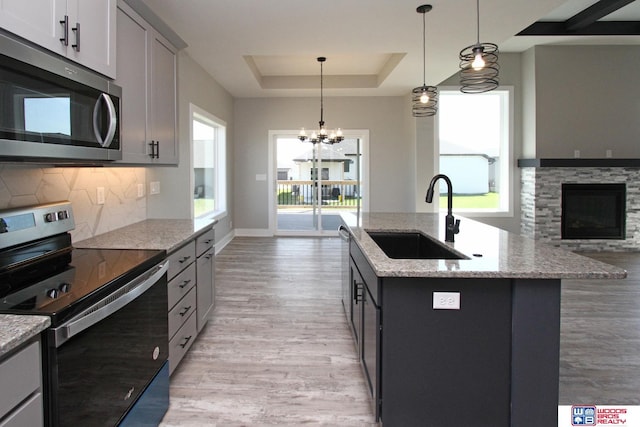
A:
x,y
452,225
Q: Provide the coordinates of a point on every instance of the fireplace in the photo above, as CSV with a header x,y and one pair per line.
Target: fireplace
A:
x,y
593,211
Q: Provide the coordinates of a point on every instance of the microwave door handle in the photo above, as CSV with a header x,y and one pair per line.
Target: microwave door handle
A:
x,y
84,321
113,120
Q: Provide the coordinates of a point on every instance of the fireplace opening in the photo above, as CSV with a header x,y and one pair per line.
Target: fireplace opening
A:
x,y
593,211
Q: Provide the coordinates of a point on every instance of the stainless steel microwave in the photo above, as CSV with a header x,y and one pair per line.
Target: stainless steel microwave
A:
x,y
54,111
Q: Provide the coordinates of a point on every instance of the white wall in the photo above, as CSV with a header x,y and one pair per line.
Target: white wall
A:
x,y
392,176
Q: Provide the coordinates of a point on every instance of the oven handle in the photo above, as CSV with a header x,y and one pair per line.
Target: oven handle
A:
x,y
109,305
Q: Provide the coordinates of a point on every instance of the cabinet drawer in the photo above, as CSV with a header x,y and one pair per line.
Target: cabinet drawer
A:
x,y
181,342
365,271
181,284
19,377
29,414
181,258
205,242
182,310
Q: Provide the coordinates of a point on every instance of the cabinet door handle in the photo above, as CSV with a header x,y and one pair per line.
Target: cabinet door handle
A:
x,y
185,283
77,31
186,340
357,295
65,30
185,311
155,149
184,259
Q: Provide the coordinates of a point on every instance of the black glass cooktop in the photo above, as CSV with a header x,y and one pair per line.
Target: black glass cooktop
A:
x,y
68,287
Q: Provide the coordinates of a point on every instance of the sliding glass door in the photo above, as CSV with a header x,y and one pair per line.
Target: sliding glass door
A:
x,y
315,183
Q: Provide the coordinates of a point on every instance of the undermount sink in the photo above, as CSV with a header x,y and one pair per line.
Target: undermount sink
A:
x,y
411,245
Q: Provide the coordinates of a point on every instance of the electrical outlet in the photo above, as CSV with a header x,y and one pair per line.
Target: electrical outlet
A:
x,y
576,153
608,153
140,190
446,300
154,187
100,195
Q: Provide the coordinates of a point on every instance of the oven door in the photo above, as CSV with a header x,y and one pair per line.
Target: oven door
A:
x,y
101,361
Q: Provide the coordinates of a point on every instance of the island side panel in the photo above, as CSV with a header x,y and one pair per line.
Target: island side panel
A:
x,y
446,367
535,353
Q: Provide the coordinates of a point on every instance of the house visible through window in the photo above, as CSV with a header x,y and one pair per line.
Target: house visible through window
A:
x,y
209,164
474,140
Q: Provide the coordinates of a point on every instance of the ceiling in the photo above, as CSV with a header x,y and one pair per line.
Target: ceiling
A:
x,y
373,47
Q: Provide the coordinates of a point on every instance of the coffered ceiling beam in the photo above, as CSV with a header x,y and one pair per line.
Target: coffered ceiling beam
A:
x,y
586,23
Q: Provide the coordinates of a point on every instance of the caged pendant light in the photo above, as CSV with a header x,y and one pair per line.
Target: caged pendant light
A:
x,y
321,135
424,99
479,64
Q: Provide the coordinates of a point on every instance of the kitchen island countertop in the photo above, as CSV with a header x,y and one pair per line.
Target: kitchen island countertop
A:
x,y
16,329
491,252
164,234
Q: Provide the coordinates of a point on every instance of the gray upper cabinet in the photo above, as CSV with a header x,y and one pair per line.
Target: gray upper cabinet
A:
x,y
147,65
89,26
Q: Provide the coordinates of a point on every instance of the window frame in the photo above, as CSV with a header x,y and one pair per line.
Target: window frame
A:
x,y
507,167
220,161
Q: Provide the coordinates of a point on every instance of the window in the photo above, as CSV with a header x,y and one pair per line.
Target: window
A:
x,y
208,137
474,132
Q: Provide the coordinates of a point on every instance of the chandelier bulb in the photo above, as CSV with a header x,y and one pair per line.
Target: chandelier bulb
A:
x,y
424,98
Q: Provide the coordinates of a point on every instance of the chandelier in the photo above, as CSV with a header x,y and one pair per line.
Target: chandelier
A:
x,y
424,99
479,64
321,135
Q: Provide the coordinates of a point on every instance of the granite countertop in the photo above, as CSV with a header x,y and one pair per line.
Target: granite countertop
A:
x,y
164,234
16,329
491,252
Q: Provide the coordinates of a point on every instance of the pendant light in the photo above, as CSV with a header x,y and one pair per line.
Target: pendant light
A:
x,y
479,64
321,135
424,99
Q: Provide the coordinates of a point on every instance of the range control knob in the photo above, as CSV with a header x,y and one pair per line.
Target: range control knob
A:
x,y
50,217
63,215
52,293
64,287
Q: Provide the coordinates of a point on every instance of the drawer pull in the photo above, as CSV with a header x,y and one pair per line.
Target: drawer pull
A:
x,y
185,311
209,256
186,341
185,283
184,259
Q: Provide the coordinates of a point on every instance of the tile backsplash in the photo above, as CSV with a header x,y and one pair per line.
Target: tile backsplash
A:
x,y
30,185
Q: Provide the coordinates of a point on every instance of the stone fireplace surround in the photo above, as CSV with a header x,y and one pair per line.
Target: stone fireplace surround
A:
x,y
541,197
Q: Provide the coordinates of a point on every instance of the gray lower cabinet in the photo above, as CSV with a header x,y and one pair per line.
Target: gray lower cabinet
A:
x,y
190,293
21,388
205,267
147,67
182,304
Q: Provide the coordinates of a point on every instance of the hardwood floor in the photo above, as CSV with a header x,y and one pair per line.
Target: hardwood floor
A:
x,y
600,337
277,350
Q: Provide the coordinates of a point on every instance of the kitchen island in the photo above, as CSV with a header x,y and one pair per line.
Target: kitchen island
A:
x,y
469,341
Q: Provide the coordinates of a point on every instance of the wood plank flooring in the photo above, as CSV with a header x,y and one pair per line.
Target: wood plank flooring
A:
x,y
277,350
600,337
